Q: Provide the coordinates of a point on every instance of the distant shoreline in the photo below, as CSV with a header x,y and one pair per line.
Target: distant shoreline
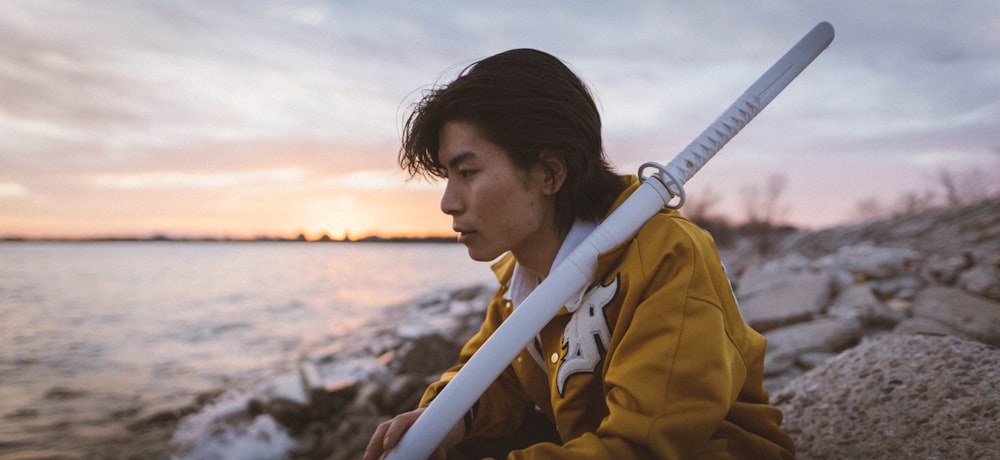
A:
x,y
261,239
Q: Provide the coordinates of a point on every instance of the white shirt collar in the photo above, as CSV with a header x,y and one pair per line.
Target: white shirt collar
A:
x,y
523,282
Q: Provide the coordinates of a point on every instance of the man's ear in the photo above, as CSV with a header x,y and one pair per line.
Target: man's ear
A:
x,y
554,169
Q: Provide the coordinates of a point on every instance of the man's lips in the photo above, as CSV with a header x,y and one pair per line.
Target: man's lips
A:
x,y
463,233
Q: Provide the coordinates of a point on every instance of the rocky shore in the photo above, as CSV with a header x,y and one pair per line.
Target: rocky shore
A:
x,y
882,343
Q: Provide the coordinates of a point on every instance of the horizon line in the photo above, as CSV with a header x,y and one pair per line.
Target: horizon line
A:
x,y
300,238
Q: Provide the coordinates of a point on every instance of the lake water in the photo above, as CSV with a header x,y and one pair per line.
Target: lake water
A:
x,y
91,332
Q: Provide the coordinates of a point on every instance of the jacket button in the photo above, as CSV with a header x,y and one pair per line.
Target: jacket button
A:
x,y
554,358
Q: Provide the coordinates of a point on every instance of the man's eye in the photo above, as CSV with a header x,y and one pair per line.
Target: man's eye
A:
x,y
466,172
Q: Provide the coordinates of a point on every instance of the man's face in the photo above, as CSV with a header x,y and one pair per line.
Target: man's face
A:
x,y
495,206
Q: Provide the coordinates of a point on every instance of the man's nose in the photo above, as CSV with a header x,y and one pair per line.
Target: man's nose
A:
x,y
450,203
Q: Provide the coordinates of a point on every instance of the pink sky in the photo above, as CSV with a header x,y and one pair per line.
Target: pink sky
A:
x,y
279,118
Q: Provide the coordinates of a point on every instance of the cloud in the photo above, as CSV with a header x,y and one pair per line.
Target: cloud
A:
x,y
307,15
163,73
306,96
289,179
369,180
185,180
12,190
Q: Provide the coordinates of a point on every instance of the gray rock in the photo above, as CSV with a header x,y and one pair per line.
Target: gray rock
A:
x,y
775,383
903,287
350,437
952,230
402,394
425,355
898,397
858,301
945,269
366,402
983,280
290,414
770,298
779,363
314,387
990,256
856,297
927,326
827,335
287,387
971,315
335,396
867,261
812,359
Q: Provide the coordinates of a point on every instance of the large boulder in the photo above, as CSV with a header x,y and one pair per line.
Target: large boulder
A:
x,y
983,280
866,261
429,354
973,316
827,335
771,297
898,397
859,301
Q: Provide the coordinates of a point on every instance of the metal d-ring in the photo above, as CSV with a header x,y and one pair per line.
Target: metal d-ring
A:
x,y
673,186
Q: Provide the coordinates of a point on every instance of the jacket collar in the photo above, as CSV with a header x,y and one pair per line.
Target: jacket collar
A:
x,y
517,282
520,282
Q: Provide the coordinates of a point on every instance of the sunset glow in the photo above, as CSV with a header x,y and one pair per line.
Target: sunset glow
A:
x,y
277,119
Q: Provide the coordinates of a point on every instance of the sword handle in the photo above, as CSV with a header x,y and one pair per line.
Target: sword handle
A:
x,y
745,108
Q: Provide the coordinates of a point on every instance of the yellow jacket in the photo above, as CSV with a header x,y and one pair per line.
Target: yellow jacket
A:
x,y
656,362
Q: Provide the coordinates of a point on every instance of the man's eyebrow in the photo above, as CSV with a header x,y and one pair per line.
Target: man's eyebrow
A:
x,y
460,158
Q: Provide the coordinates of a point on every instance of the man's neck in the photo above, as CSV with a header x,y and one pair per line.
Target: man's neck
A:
x,y
525,281
539,258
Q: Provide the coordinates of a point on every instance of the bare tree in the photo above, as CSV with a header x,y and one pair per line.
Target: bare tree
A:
x,y
957,188
971,185
947,181
869,209
699,207
750,195
774,210
763,209
913,202
764,206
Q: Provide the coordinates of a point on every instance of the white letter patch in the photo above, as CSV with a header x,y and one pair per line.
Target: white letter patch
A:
x,y
586,336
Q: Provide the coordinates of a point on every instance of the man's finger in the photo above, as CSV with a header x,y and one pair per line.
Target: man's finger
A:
x,y
375,444
395,431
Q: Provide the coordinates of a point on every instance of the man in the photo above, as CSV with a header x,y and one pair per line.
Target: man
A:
x,y
653,360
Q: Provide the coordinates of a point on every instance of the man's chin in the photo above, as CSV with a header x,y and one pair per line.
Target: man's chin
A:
x,y
480,255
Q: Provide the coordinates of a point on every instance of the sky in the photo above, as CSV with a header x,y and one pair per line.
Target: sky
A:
x,y
246,118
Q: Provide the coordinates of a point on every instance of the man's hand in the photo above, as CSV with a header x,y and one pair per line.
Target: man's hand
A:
x,y
388,434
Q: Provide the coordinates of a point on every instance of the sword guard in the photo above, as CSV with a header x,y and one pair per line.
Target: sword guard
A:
x,y
673,186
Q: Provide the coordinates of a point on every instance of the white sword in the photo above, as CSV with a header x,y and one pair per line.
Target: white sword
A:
x,y
578,269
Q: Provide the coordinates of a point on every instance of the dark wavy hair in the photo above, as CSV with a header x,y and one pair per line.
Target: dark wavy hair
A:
x,y
524,101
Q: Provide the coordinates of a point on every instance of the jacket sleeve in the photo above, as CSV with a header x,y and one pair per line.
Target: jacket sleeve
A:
x,y
504,404
671,372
